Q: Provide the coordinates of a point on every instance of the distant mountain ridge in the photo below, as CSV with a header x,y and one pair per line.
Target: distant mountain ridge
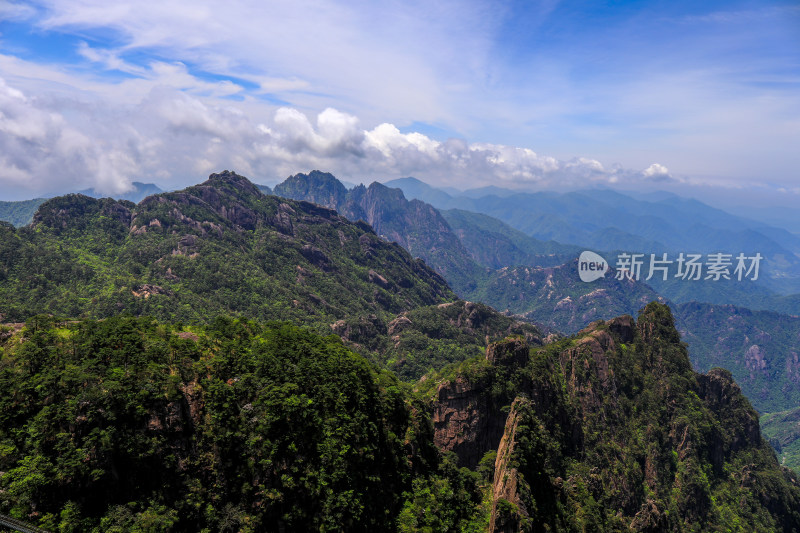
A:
x,y
463,247
494,244
484,266
608,220
21,213
139,192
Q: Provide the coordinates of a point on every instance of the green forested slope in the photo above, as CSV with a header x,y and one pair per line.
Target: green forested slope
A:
x,y
129,425
782,430
219,247
494,244
760,348
19,213
431,337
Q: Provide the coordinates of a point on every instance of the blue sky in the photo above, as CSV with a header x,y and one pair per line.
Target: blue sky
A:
x,y
520,94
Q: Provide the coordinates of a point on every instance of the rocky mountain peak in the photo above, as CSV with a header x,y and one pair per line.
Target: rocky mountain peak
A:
x,y
414,225
232,183
387,193
318,187
505,486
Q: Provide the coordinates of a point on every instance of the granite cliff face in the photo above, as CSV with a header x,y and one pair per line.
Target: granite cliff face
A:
x,y
612,430
416,226
468,416
508,509
471,415
321,188
466,421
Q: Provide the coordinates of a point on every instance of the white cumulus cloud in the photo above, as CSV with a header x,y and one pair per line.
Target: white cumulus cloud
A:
x,y
175,138
657,172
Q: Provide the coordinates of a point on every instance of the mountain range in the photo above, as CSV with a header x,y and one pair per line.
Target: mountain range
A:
x,y
415,225
537,281
515,273
138,192
220,358
209,248
224,248
606,220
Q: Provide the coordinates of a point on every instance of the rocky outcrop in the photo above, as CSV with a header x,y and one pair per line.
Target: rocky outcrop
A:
x,y
466,420
399,324
510,353
724,397
361,331
588,373
508,509
624,327
617,425
147,290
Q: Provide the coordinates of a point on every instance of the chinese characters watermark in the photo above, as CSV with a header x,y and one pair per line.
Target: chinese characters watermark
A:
x,y
686,266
